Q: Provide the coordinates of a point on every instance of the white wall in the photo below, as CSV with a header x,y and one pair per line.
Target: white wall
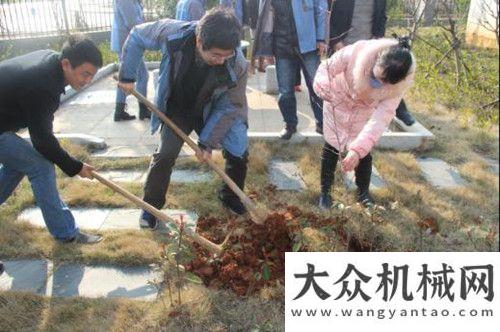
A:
x,y
478,15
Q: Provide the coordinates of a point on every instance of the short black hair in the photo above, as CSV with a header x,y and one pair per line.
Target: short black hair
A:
x,y
396,62
79,49
219,28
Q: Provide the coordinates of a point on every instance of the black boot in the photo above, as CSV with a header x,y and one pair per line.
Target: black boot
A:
x,y
236,169
120,114
325,201
288,132
329,158
365,198
363,175
319,128
144,112
404,115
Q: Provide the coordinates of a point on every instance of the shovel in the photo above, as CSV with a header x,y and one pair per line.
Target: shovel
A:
x,y
257,215
210,246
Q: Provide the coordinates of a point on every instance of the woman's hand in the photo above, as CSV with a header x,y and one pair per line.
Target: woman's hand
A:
x,y
351,161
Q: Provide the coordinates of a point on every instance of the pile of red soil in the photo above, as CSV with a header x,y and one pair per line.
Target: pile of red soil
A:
x,y
254,255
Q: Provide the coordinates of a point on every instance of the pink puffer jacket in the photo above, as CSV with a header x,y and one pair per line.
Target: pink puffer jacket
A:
x,y
354,114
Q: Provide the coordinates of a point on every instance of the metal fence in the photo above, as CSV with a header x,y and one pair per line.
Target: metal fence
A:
x,y
37,18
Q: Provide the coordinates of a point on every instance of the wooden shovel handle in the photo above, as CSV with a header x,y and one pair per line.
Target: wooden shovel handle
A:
x,y
210,246
241,195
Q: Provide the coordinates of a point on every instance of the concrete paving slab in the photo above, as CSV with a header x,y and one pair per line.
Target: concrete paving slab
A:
x,y
126,151
128,219
108,219
25,275
139,176
376,181
104,281
124,175
97,97
493,163
92,143
84,218
440,174
285,175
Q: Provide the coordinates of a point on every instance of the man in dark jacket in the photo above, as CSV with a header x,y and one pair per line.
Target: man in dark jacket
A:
x,y
30,90
201,87
354,20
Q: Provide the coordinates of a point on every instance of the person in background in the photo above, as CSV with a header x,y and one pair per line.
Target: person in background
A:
x,y
127,14
190,10
361,85
293,31
354,20
240,9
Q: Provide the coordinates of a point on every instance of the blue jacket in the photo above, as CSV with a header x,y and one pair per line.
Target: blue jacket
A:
x,y
223,96
190,10
127,14
310,20
237,5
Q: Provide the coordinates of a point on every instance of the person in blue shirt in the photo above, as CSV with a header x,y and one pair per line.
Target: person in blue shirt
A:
x,y
190,10
193,10
294,32
127,14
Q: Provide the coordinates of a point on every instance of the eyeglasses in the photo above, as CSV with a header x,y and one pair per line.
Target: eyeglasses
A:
x,y
218,57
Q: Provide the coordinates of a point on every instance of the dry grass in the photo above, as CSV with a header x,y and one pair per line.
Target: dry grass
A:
x,y
467,220
202,310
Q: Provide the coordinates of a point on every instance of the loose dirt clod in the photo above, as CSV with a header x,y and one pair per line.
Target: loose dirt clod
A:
x,y
254,255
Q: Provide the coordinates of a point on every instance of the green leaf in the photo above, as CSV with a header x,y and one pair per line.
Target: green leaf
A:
x,y
266,272
297,246
193,278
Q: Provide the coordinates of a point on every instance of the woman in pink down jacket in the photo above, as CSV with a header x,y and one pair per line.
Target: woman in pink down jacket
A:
x,y
361,85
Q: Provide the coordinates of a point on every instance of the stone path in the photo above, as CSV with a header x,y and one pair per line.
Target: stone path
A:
x,y
67,280
285,175
139,176
90,112
107,219
440,174
376,181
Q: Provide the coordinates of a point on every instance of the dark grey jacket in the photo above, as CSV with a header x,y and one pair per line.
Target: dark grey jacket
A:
x,y
341,19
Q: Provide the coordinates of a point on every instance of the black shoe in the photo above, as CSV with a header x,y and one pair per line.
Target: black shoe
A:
x,y
325,201
233,203
144,112
404,115
83,238
121,115
147,220
288,132
365,199
319,128
2,269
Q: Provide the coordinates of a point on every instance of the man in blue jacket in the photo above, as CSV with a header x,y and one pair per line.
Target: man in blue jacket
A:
x,y
293,31
193,10
127,14
201,87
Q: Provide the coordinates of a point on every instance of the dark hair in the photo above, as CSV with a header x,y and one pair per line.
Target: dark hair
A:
x,y
396,61
79,49
219,28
